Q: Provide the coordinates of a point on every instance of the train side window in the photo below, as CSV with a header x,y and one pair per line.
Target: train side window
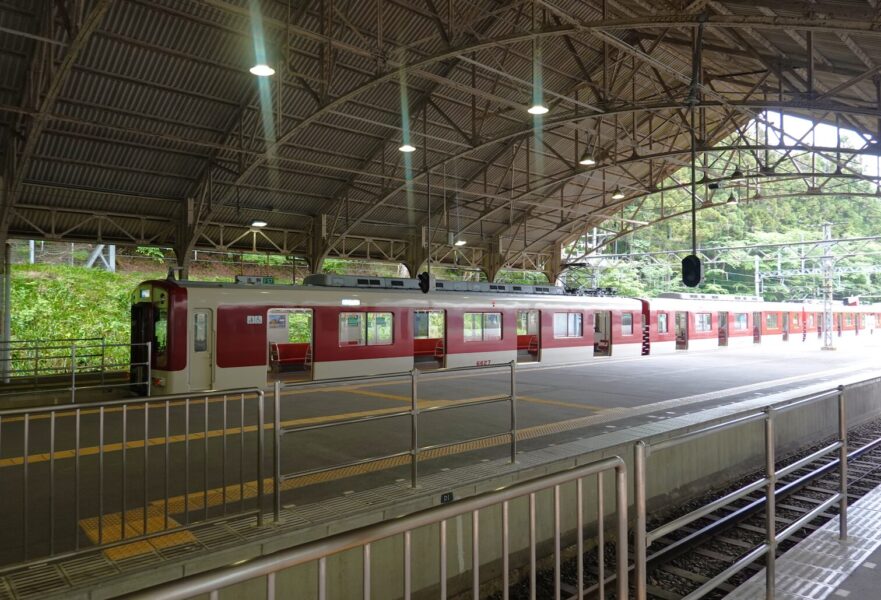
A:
x,y
741,321
662,323
771,320
380,326
352,330
527,322
567,325
810,319
482,326
703,322
627,324
200,332
795,319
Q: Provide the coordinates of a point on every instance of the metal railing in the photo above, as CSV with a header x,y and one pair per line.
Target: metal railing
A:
x,y
70,364
127,470
320,550
413,413
643,538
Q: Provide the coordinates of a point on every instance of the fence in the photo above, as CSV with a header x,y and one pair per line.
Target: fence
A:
x,y
267,567
71,364
644,538
413,413
133,463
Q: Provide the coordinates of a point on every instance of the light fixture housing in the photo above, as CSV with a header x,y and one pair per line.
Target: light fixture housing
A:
x,y
258,223
460,242
617,194
587,160
537,109
731,199
262,70
407,148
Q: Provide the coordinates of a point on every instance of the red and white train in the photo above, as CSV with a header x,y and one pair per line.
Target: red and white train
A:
x,y
219,336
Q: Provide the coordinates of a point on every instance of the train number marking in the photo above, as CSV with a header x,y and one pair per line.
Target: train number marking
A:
x,y
483,363
254,319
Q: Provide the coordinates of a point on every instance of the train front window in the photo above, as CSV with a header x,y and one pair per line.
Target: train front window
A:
x,y
160,331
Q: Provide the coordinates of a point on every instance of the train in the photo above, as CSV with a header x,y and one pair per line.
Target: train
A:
x,y
215,336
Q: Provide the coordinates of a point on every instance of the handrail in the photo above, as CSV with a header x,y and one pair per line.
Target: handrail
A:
x,y
643,449
319,550
140,431
413,412
35,365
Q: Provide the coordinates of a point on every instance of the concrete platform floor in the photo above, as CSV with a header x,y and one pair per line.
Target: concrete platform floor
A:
x,y
556,404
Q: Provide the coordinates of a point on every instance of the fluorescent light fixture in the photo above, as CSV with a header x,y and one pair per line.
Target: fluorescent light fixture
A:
x,y
262,70
351,302
258,223
587,160
460,242
537,109
617,194
407,148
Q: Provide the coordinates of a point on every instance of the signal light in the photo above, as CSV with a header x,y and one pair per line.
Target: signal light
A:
x,y
424,282
692,271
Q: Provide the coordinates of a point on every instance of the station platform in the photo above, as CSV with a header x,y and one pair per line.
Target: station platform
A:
x,y
567,413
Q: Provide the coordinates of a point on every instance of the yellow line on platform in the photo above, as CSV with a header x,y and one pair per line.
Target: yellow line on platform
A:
x,y
577,405
214,433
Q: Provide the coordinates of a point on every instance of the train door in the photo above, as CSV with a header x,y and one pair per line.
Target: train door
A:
x,y
786,327
289,334
723,328
141,333
681,330
528,335
429,339
757,328
201,361
602,333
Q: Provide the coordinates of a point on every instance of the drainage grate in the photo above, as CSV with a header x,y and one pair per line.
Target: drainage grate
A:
x,y
82,569
36,581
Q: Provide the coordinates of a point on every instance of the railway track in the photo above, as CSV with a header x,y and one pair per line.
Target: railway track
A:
x,y
681,562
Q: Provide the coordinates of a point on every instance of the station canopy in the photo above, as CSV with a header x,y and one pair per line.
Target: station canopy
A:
x,y
140,122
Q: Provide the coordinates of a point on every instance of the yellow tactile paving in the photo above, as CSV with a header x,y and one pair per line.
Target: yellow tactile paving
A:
x,y
111,531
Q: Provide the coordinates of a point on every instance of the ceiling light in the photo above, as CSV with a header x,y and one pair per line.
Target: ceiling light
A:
x,y
460,242
259,223
617,194
587,160
731,199
262,70
736,174
537,109
407,148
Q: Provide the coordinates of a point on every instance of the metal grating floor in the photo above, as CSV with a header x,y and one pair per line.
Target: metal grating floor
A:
x,y
64,577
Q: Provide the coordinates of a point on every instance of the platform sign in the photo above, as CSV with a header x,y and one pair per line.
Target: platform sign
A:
x,y
255,279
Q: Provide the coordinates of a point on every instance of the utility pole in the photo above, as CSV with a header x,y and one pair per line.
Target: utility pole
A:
x,y
828,272
757,278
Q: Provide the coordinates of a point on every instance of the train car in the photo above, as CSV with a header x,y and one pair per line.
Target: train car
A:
x,y
218,336
207,336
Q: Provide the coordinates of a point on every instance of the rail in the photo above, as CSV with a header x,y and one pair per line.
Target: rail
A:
x,y
74,364
413,413
110,455
320,550
643,538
